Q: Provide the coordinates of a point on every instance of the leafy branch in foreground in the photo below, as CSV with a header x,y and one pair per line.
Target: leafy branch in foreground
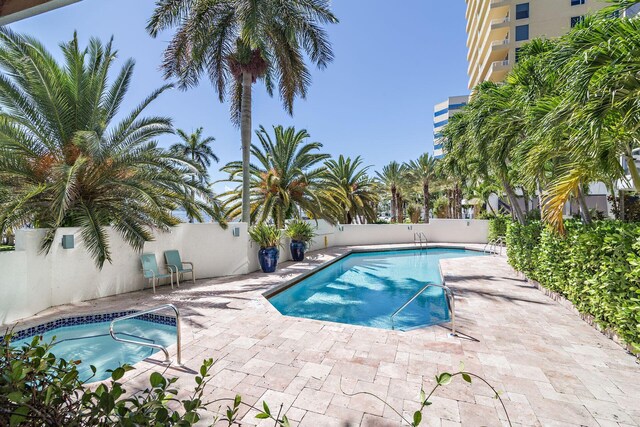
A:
x,y
39,389
442,379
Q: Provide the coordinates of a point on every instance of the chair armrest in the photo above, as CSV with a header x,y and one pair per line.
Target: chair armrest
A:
x,y
172,268
153,275
187,262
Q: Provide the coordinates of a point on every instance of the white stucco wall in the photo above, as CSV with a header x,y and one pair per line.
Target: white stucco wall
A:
x,y
33,281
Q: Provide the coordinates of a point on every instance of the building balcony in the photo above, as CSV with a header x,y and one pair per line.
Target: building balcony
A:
x,y
497,29
500,65
500,23
498,50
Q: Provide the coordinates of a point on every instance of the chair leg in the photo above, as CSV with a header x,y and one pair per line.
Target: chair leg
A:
x,y
178,278
153,283
193,275
171,278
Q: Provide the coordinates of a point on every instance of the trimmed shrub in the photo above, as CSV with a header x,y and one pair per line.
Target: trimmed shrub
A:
x,y
596,267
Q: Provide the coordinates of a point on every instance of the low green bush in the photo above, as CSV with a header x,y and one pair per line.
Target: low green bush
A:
x,y
596,267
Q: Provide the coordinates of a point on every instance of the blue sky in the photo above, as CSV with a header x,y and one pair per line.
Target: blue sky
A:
x,y
394,61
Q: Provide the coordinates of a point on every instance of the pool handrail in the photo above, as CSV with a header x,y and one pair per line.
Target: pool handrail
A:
x,y
419,238
156,346
451,302
491,247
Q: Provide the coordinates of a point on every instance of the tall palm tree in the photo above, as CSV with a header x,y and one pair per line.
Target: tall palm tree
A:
x,y
64,161
285,180
423,171
198,150
236,42
391,177
348,187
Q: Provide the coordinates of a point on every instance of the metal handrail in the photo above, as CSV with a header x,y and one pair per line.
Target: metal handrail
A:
x,y
491,247
156,346
451,302
418,239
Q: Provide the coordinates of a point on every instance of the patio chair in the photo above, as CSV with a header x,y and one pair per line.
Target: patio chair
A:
x,y
151,272
177,266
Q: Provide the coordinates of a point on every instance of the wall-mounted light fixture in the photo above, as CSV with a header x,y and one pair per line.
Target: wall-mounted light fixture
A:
x,y
68,241
410,227
236,231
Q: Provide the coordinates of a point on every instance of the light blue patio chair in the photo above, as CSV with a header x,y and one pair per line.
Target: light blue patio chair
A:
x,y
151,272
177,266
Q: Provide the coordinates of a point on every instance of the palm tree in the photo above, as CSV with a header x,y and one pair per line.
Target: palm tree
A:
x,y
348,187
67,165
246,40
285,181
391,177
423,171
198,150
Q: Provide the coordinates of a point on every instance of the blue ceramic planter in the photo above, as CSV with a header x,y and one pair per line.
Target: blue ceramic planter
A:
x,y
268,258
297,250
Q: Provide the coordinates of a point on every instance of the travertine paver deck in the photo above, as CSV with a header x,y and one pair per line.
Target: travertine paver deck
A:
x,y
552,368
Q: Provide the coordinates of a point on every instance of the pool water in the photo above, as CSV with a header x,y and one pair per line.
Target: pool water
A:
x,y
92,344
366,288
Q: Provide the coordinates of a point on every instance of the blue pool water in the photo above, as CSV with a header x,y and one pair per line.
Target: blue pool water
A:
x,y
366,288
92,344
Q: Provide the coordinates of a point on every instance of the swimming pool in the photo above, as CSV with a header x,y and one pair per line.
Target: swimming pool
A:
x,y
365,288
91,343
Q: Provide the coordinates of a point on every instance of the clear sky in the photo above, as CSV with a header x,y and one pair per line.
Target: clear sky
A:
x,y
394,61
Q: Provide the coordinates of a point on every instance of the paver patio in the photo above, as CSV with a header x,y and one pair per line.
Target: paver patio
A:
x,y
552,368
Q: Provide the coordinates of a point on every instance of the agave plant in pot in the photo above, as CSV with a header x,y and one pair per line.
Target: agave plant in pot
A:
x,y
301,234
268,237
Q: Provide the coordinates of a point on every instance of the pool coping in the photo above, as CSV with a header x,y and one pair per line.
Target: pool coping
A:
x,y
269,293
24,331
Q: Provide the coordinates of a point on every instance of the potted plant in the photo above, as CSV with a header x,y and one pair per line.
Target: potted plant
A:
x,y
268,237
301,234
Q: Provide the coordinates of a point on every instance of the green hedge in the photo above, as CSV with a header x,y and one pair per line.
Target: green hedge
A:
x,y
596,267
498,226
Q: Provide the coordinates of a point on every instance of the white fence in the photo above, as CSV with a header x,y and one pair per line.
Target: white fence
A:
x,y
32,282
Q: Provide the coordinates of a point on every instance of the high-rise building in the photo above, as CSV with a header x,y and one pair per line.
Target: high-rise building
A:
x,y
497,28
441,114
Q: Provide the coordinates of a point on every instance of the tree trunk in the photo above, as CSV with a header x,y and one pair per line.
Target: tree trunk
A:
x,y
400,207
633,170
515,207
525,197
539,186
457,203
245,133
193,196
394,206
611,188
425,195
584,209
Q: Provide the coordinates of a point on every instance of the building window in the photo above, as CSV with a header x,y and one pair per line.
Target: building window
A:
x,y
522,32
577,2
522,11
575,20
518,54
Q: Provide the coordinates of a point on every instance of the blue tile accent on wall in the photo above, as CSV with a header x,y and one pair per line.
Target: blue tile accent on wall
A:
x,y
88,319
